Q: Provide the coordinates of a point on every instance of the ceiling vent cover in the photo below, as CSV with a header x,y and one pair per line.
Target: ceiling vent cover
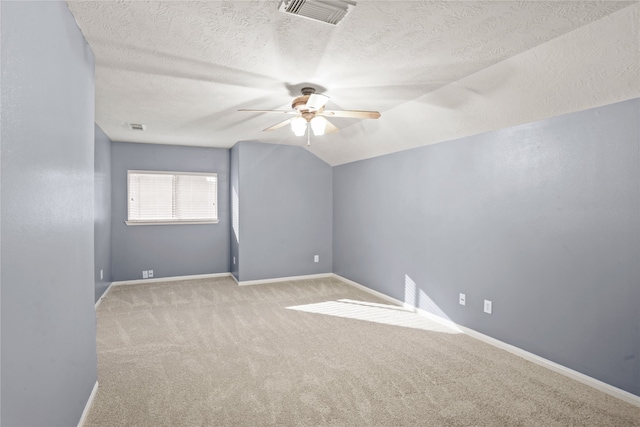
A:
x,y
328,11
137,126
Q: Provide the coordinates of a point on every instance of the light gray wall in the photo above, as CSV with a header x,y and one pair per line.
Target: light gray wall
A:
x,y
234,203
285,212
102,212
168,250
48,356
543,219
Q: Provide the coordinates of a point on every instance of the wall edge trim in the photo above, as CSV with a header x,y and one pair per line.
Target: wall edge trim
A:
x,y
87,407
531,357
283,279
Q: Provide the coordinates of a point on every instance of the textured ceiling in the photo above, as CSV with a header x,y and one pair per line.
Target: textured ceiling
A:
x,y
436,70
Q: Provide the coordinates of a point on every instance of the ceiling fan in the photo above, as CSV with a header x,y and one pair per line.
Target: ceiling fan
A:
x,y
309,112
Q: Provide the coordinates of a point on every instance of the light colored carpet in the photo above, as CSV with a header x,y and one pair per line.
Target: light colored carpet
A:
x,y
313,353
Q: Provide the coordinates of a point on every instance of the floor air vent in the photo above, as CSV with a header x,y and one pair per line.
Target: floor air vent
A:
x,y
328,11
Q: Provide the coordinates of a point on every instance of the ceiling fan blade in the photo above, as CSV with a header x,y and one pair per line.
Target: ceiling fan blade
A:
x,y
316,101
329,127
269,111
279,125
352,114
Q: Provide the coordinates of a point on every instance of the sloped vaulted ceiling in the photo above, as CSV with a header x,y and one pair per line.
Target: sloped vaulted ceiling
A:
x,y
436,70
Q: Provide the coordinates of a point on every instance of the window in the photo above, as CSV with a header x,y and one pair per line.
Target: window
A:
x,y
171,197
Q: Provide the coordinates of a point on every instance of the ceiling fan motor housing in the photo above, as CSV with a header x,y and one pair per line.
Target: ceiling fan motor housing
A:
x,y
300,102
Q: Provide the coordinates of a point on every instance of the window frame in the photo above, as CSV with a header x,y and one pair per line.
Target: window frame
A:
x,y
175,221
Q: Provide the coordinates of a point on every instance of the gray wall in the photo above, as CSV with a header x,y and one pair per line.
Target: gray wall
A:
x,y
102,212
285,212
48,356
168,250
543,219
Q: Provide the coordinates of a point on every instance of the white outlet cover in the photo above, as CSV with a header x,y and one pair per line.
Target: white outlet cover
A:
x,y
463,299
316,258
145,274
150,273
101,274
488,306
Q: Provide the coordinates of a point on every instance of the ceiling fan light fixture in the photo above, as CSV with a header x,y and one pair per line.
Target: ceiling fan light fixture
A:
x,y
310,115
318,125
299,126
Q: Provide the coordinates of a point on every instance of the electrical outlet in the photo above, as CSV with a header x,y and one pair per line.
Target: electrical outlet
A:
x,y
145,274
488,306
101,274
463,299
316,258
150,273
234,260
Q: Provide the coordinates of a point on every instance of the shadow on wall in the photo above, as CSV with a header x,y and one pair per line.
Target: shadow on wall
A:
x,y
418,299
419,311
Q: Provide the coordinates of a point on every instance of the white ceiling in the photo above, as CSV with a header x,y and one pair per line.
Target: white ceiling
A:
x,y
436,70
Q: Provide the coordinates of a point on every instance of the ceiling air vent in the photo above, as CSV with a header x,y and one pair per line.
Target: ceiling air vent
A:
x,y
137,126
328,11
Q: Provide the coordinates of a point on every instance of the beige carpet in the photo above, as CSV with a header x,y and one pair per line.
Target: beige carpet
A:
x,y
314,353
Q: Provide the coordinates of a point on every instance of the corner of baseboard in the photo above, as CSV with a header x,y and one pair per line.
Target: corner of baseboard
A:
x,y
103,296
87,406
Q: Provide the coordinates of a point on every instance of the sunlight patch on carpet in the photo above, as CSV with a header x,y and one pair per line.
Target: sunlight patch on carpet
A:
x,y
377,313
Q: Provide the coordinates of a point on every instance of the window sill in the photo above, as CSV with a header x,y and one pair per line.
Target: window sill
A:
x,y
169,222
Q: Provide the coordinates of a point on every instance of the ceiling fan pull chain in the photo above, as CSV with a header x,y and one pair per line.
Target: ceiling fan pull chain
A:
x,y
308,134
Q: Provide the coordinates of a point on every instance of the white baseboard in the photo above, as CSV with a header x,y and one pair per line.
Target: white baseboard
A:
x,y
575,375
87,407
283,279
208,276
578,376
157,280
169,279
104,295
369,290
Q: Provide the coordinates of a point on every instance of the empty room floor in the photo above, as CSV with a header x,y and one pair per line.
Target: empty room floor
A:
x,y
315,352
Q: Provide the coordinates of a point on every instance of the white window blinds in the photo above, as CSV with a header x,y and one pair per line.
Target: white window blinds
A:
x,y
170,197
